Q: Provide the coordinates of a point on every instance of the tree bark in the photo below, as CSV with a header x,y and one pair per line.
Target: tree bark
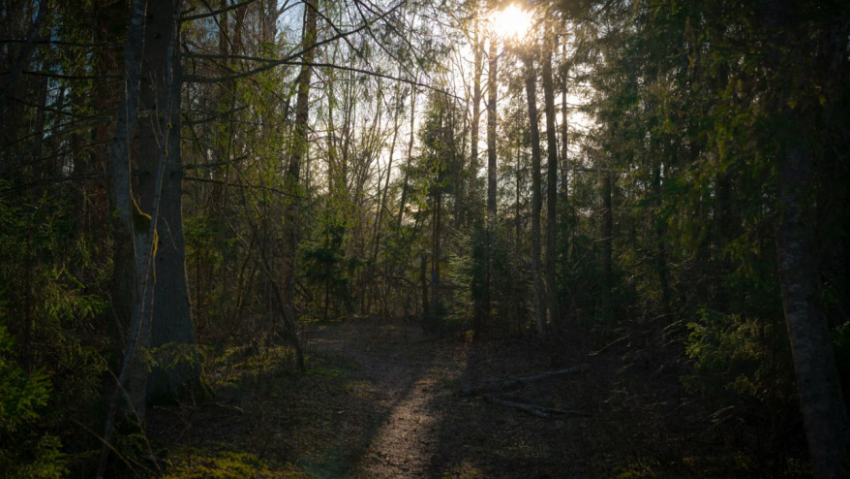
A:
x,y
660,232
536,198
126,300
423,281
376,235
551,189
172,323
565,138
125,287
478,68
491,135
492,86
410,142
435,254
298,152
824,413
10,79
607,233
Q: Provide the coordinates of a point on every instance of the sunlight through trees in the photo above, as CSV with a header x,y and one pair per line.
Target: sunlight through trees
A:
x,y
659,186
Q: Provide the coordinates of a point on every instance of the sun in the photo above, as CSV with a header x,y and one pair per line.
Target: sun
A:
x,y
512,22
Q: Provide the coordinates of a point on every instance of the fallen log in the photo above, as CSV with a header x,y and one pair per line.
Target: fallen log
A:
x,y
521,381
528,408
533,409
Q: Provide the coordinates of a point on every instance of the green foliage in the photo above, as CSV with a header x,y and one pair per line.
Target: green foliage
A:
x,y
747,358
25,452
743,368
841,343
20,393
328,270
52,304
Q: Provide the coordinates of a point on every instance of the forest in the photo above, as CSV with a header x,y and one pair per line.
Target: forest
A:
x,y
424,239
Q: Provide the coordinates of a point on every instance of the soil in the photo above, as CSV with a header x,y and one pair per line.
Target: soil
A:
x,y
383,400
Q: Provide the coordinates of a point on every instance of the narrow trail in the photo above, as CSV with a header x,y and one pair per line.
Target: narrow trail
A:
x,y
422,427
407,375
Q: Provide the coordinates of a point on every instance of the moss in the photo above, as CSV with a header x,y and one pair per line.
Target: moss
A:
x,y
141,226
231,465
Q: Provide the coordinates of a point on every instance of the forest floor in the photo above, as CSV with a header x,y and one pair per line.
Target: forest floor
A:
x,y
384,400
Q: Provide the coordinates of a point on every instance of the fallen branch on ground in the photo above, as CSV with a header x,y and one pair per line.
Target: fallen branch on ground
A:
x,y
523,407
534,410
609,345
521,381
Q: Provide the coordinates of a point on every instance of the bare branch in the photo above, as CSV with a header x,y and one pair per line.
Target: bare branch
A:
x,y
216,12
238,185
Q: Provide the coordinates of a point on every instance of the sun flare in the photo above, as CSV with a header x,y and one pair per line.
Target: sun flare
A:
x,y
512,22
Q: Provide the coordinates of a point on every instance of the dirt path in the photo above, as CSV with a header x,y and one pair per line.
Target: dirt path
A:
x,y
408,375
422,427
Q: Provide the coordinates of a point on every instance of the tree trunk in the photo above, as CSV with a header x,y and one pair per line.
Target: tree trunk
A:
x,y
404,186
551,189
478,67
607,234
491,167
536,199
131,338
479,316
423,281
660,232
172,323
824,414
491,136
822,403
435,256
126,300
565,132
298,152
376,235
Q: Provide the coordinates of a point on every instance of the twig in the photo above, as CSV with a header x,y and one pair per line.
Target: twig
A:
x,y
608,345
239,185
528,408
521,381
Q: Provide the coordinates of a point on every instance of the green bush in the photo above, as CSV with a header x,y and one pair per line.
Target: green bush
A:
x,y
740,358
25,452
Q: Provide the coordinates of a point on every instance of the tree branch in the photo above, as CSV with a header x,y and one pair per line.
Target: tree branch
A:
x,y
520,381
70,77
273,63
236,185
216,12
